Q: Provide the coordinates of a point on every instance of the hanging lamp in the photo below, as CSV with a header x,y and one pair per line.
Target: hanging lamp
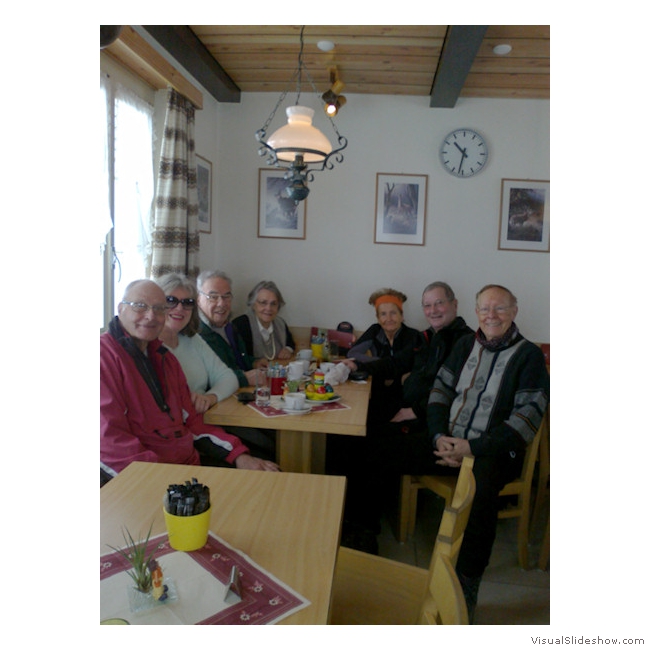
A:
x,y
299,148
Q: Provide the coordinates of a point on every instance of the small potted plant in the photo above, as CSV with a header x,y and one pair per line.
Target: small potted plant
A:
x,y
149,588
135,553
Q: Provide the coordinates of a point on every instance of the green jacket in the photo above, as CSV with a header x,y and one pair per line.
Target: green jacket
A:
x,y
226,353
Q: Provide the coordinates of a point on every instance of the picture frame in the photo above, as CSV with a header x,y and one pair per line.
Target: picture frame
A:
x,y
278,216
204,191
524,222
401,209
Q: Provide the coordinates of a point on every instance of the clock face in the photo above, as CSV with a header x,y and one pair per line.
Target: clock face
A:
x,y
463,153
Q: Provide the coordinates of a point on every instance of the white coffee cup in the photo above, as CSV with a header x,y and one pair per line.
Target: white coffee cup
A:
x,y
295,370
295,401
304,354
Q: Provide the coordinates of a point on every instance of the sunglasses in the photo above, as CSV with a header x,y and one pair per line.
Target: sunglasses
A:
x,y
186,303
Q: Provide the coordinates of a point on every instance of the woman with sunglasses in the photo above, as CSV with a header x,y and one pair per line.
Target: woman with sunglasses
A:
x,y
209,378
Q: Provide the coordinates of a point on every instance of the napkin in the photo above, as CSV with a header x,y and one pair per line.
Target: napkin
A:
x,y
337,375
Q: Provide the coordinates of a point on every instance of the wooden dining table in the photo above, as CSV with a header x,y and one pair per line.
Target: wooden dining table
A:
x,y
287,523
300,439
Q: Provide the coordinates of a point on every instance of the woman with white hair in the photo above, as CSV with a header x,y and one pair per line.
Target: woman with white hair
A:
x,y
265,334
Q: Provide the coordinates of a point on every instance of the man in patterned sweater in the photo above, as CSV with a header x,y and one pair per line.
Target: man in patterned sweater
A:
x,y
487,401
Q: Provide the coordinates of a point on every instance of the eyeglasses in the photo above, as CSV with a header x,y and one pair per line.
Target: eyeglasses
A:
x,y
186,303
501,309
437,303
265,303
214,297
143,307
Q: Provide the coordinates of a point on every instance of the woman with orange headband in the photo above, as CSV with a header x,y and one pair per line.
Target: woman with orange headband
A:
x,y
386,351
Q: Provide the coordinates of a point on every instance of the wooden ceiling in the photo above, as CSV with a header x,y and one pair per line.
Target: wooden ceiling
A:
x,y
379,59
443,62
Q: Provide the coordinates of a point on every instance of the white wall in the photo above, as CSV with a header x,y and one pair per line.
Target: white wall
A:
x,y
328,276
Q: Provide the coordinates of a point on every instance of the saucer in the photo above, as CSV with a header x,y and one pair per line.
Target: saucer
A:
x,y
297,411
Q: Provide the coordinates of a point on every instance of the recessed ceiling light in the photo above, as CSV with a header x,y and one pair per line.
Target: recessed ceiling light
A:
x,y
502,50
325,46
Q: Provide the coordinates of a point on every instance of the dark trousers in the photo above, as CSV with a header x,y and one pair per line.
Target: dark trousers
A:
x,y
392,452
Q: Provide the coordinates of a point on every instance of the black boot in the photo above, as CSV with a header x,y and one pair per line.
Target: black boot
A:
x,y
470,587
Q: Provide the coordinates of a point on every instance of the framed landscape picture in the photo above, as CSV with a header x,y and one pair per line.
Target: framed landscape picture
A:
x,y
279,216
400,209
524,223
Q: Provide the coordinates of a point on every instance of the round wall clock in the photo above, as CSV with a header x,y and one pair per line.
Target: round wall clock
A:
x,y
463,153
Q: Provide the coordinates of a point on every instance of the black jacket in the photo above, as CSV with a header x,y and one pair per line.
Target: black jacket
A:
x,y
435,348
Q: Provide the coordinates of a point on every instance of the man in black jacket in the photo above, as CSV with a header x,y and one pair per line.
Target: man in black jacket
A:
x,y
440,308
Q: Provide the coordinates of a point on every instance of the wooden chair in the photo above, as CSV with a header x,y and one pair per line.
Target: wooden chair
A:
x,y
371,590
444,486
544,466
543,486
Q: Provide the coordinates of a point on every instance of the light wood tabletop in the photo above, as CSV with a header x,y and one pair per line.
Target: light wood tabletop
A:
x,y
287,523
299,440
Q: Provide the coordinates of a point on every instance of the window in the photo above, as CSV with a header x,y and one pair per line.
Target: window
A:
x,y
128,182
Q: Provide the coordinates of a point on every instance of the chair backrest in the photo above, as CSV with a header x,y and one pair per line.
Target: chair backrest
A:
x,y
532,451
444,603
454,518
344,340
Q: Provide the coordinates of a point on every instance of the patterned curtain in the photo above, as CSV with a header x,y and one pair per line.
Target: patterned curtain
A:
x,y
175,230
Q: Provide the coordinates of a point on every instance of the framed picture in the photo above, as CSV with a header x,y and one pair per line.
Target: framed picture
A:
x,y
204,188
278,215
400,209
525,215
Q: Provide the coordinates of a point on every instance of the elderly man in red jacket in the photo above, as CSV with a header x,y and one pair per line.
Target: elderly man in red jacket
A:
x,y
146,411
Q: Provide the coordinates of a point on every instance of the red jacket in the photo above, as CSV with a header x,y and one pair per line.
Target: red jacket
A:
x,y
132,425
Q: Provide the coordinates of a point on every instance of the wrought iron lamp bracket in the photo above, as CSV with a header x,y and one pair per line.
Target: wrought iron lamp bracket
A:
x,y
298,171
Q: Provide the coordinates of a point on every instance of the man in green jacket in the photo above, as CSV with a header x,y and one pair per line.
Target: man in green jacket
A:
x,y
215,304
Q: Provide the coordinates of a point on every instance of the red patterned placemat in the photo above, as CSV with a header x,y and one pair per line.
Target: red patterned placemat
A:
x,y
273,412
266,411
265,599
328,406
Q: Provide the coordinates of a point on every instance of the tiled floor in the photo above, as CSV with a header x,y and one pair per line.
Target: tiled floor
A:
x,y
508,595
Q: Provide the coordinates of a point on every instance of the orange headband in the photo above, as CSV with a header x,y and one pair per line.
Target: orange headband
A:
x,y
388,298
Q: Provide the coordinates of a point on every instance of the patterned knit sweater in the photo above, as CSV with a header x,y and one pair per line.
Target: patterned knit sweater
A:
x,y
494,399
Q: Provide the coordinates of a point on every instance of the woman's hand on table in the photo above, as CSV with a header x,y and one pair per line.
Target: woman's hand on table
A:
x,y
350,363
202,402
246,461
285,353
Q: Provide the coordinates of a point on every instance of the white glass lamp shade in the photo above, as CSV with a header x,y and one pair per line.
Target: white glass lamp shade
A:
x,y
298,135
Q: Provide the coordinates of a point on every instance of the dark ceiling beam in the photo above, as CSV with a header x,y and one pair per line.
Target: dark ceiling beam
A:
x,y
458,53
181,42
